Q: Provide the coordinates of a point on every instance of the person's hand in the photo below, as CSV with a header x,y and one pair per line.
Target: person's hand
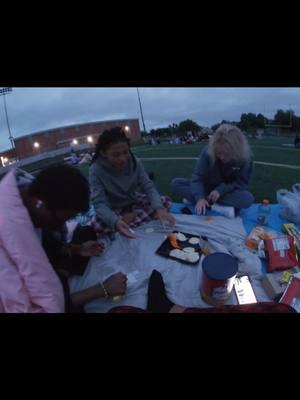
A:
x,y
201,206
163,214
116,284
90,248
124,229
129,217
213,196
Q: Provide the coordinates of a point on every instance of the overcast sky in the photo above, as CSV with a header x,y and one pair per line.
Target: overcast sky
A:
x,y
34,109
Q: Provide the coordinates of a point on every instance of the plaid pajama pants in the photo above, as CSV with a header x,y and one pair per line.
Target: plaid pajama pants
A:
x,y
144,212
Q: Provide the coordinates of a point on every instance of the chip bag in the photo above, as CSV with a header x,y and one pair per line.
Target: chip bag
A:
x,y
256,236
280,253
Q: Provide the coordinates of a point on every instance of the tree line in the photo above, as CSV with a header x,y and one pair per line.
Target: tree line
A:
x,y
248,122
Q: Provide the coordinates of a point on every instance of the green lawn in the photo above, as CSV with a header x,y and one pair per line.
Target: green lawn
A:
x,y
266,180
272,141
287,156
168,150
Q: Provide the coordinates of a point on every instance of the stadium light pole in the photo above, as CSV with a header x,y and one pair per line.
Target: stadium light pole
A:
x,y
3,92
138,93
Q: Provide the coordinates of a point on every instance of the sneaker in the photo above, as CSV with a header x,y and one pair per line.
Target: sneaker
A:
x,y
187,202
226,211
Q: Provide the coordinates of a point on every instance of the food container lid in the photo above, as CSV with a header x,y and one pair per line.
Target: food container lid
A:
x,y
220,266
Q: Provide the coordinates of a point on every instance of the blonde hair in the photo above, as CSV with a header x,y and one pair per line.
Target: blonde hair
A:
x,y
232,137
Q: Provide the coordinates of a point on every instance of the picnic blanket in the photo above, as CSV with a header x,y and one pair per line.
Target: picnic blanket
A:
x,y
137,258
249,217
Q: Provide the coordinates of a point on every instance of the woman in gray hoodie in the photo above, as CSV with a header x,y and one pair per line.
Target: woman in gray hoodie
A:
x,y
222,173
116,180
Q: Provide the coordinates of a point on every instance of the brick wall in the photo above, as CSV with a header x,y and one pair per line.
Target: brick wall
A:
x,y
57,138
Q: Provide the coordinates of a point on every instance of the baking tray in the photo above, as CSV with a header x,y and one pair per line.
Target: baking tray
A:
x,y
165,248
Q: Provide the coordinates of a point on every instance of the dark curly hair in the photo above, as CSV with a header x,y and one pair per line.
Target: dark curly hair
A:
x,y
109,137
61,187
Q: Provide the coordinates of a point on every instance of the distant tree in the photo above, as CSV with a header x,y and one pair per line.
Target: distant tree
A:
x,y
173,129
283,117
296,123
260,121
160,132
188,125
248,121
215,126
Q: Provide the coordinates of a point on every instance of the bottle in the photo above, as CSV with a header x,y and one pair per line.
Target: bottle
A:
x,y
264,212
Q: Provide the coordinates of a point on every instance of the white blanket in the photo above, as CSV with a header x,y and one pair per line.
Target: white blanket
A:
x,y
137,259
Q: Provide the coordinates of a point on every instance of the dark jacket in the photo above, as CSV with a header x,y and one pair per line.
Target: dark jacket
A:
x,y
53,242
224,178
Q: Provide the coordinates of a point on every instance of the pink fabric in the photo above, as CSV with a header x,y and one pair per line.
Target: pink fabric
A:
x,y
28,282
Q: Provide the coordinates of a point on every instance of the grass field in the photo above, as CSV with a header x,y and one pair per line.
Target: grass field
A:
x,y
266,180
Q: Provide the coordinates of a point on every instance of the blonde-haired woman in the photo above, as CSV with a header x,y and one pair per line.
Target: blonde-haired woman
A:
x,y
222,173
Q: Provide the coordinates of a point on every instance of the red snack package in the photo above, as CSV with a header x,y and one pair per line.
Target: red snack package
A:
x,y
291,296
280,253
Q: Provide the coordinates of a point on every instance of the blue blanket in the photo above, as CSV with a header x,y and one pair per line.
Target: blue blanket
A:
x,y
249,217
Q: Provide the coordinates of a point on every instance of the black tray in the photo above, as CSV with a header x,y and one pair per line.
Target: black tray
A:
x,y
165,248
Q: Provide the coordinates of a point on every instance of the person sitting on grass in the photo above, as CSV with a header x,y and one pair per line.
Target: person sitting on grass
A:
x,y
222,173
33,212
116,179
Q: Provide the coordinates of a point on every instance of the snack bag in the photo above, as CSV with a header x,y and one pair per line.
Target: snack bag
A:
x,y
291,230
254,238
280,253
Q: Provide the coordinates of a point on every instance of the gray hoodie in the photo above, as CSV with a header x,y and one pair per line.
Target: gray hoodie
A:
x,y
113,189
224,178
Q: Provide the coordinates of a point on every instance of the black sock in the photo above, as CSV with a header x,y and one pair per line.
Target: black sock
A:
x,y
157,298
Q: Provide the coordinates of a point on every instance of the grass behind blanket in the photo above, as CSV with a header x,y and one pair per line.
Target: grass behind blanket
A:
x,y
266,180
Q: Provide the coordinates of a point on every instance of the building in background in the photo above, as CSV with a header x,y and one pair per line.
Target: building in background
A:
x,y
65,137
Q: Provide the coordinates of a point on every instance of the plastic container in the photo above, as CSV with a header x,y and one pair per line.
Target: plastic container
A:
x,y
291,204
264,213
219,271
